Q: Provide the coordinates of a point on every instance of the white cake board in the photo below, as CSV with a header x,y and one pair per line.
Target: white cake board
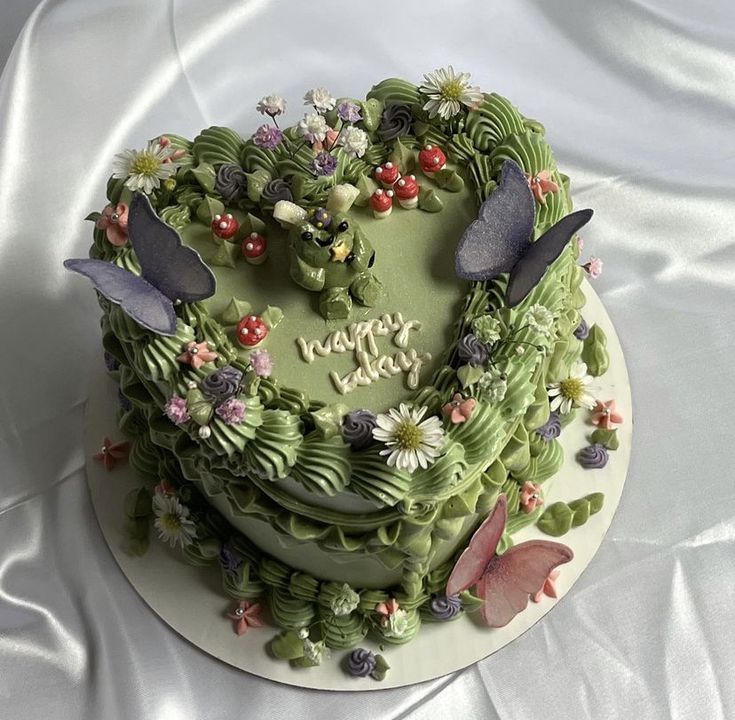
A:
x,y
191,600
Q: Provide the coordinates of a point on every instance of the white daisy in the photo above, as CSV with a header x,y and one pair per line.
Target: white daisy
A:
x,y
145,169
313,127
411,442
271,105
354,141
448,91
572,392
540,319
172,520
320,98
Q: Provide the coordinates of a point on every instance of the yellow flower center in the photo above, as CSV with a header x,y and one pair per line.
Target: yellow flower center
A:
x,y
572,388
452,90
145,164
171,523
408,436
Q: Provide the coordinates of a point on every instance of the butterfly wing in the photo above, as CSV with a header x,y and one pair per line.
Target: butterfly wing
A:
x,y
481,550
495,242
531,267
176,270
512,577
137,297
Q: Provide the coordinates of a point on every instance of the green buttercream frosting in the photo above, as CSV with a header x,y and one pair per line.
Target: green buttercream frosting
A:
x,y
594,352
217,145
322,465
560,517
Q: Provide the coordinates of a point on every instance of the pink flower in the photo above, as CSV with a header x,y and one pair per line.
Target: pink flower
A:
x,y
328,143
268,137
593,268
580,243
196,354
110,453
114,221
262,363
530,496
164,488
386,609
605,415
541,184
245,615
164,142
548,588
458,409
232,411
176,410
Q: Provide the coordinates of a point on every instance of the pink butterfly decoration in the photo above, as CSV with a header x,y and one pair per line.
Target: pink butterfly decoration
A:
x,y
504,582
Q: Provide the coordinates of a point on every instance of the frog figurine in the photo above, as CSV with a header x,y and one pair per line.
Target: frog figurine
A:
x,y
330,254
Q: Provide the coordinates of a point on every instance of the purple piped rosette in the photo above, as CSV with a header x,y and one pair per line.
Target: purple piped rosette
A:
x,y
361,662
111,362
582,330
593,457
551,429
445,607
231,182
357,428
230,560
471,350
221,384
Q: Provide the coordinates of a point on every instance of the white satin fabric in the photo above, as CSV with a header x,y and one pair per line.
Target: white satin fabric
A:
x,y
639,99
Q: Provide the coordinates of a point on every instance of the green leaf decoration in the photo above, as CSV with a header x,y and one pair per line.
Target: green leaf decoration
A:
x,y
225,255
608,438
594,351
287,646
403,157
253,223
367,186
470,602
205,174
469,374
381,668
93,216
448,180
235,311
272,316
256,183
138,503
560,517
328,420
200,409
429,201
208,208
372,109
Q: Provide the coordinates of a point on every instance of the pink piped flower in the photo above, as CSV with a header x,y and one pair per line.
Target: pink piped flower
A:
x,y
231,411
196,354
114,222
386,609
459,409
176,410
605,415
245,615
580,243
164,142
111,453
268,137
164,488
330,139
593,268
548,588
541,185
530,496
261,362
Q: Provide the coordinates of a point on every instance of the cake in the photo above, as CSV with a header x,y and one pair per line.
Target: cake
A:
x,y
345,351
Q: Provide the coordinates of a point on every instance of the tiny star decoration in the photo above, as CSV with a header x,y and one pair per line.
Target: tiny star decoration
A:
x,y
459,409
245,615
196,354
111,453
605,415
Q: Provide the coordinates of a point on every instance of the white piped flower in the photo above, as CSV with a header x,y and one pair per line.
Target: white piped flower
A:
x,y
572,392
410,442
448,91
172,520
354,141
145,169
540,319
271,105
313,127
320,98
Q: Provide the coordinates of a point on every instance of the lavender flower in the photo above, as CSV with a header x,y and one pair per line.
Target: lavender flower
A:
x,y
551,429
324,164
349,112
262,363
360,662
231,411
268,137
221,384
445,607
229,559
176,410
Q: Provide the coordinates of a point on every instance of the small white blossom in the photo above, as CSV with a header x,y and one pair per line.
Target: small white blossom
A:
x,y
320,98
540,319
397,624
313,127
354,141
493,385
172,520
345,601
448,91
271,105
145,169
315,652
572,392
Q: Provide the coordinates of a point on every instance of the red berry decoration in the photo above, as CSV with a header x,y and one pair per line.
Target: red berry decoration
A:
x,y
432,159
255,248
381,202
251,330
225,226
387,174
407,191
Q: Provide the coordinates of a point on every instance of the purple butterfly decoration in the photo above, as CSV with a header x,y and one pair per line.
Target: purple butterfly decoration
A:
x,y
170,272
504,582
499,241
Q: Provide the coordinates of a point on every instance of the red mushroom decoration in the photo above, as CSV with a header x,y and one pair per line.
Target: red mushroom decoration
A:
x,y
255,248
387,174
381,201
407,191
432,159
251,330
225,226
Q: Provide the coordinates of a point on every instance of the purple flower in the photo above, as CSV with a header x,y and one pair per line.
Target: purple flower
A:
x,y
551,429
262,363
229,559
231,411
349,112
267,137
176,410
221,384
445,607
593,457
360,662
324,164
